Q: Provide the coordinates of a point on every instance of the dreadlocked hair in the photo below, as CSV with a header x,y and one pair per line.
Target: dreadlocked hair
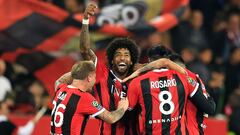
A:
x,y
123,43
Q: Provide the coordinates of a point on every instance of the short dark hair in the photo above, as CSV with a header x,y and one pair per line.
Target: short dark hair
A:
x,y
158,51
81,69
176,58
123,43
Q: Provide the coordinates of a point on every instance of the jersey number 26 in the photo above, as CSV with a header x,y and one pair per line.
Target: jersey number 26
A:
x,y
57,113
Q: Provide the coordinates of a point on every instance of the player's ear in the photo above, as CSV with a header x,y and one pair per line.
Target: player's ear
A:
x,y
88,78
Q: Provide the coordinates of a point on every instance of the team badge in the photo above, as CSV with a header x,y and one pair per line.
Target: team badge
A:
x,y
191,81
96,105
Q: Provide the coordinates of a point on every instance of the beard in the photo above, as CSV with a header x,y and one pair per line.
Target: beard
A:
x,y
120,71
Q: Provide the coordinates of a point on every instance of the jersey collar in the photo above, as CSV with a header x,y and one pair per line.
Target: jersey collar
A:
x,y
120,80
72,87
160,70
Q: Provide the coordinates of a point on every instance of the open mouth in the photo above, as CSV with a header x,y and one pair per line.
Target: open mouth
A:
x,y
122,65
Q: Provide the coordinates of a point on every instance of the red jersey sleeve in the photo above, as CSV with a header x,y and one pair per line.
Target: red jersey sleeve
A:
x,y
132,94
89,105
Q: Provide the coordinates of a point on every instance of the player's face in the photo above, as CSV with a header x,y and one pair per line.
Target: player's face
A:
x,y
121,60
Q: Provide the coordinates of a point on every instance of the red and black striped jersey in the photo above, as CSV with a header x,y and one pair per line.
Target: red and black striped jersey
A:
x,y
196,120
71,110
108,95
162,95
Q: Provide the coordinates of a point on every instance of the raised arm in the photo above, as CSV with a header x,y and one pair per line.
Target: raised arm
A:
x,y
85,50
66,78
112,117
163,62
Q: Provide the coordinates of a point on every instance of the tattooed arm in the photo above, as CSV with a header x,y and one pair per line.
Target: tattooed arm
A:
x,y
66,78
112,117
160,63
84,46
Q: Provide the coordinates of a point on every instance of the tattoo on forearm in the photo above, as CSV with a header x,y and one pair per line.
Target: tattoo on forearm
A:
x,y
84,46
118,113
146,68
66,78
84,38
114,115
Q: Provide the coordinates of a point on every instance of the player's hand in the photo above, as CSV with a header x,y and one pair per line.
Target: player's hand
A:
x,y
90,10
123,103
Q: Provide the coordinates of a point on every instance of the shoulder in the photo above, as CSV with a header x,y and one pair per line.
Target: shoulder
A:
x,y
142,77
102,70
61,86
191,74
173,72
87,96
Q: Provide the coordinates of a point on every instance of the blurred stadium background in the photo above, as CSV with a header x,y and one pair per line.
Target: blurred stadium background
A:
x,y
39,42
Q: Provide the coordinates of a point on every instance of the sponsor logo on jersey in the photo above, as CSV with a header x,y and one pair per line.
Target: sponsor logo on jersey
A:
x,y
96,105
191,81
156,121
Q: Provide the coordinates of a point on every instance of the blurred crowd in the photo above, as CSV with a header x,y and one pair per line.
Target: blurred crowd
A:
x,y
207,37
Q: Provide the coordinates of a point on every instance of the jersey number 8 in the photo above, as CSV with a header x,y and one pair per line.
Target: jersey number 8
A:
x,y
165,101
57,113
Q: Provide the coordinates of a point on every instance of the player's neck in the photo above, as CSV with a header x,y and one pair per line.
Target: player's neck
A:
x,y
80,84
119,76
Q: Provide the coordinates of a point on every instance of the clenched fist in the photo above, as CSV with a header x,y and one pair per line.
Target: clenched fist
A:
x,y
123,103
90,10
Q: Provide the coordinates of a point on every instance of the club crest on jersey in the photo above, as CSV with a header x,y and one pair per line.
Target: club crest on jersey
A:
x,y
191,81
96,105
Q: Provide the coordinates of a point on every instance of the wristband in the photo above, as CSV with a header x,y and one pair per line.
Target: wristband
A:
x,y
85,21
